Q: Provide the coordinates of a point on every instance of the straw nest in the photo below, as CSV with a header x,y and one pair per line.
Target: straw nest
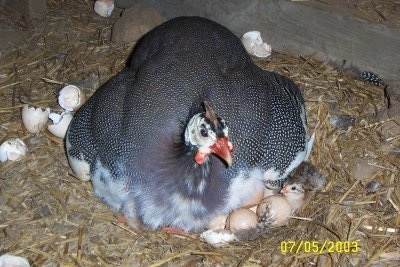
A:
x,y
53,219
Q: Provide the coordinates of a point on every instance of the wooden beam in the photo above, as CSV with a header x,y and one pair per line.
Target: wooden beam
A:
x,y
303,29
30,9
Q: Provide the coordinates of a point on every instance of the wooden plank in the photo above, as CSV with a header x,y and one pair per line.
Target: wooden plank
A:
x,y
30,9
302,29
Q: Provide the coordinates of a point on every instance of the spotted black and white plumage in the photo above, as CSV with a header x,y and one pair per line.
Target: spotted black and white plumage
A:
x,y
368,76
274,184
129,138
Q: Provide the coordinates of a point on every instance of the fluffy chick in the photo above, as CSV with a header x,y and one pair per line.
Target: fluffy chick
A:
x,y
307,175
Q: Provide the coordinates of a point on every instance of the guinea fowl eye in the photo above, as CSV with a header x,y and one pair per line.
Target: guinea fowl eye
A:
x,y
294,188
204,132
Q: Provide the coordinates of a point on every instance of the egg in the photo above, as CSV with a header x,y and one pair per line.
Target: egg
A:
x,y
71,98
12,149
218,222
254,44
275,209
60,124
254,199
242,219
104,8
34,119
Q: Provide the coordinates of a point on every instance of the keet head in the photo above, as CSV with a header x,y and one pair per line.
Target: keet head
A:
x,y
293,190
294,194
209,133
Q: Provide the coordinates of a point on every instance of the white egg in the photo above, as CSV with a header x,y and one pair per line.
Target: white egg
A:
x,y
254,44
104,8
71,98
242,219
34,119
12,149
60,124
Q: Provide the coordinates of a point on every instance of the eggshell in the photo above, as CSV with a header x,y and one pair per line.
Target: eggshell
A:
x,y
7,260
254,44
218,238
12,149
242,219
34,119
61,123
71,98
104,8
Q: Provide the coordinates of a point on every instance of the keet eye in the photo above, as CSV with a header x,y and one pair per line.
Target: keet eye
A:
x,y
294,188
204,132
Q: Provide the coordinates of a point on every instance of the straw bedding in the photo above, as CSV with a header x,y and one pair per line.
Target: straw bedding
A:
x,y
53,219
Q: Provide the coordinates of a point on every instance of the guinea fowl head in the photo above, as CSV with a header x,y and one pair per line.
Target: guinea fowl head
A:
x,y
209,134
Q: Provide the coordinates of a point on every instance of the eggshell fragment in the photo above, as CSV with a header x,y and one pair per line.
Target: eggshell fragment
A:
x,y
12,149
218,238
7,260
242,219
71,98
34,119
61,123
104,8
254,44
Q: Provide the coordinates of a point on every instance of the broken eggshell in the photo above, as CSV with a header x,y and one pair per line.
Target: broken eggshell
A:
x,y
12,149
219,237
104,8
34,119
7,260
254,44
71,98
60,124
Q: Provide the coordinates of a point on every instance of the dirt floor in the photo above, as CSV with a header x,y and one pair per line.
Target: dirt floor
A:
x,y
53,219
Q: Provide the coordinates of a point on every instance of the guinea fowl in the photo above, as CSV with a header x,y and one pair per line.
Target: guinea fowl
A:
x,y
139,137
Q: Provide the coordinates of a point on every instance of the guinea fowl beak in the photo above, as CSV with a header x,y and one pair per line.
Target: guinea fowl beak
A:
x,y
223,148
284,190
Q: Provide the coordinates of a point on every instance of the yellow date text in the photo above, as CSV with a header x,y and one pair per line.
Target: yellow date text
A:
x,y
304,246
